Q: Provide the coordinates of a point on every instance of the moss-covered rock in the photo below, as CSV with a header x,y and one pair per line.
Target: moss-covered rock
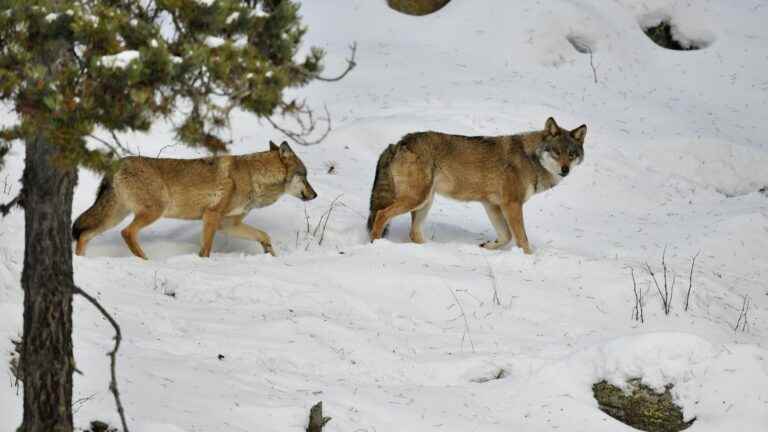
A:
x,y
417,7
641,407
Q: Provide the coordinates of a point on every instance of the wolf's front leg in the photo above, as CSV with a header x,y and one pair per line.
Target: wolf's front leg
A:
x,y
211,221
503,235
513,214
245,231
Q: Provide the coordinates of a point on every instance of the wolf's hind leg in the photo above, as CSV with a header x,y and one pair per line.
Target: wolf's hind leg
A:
x,y
513,213
402,205
503,236
111,221
413,182
417,219
236,228
130,234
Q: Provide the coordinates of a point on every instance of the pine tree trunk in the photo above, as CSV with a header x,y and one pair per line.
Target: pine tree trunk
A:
x,y
47,359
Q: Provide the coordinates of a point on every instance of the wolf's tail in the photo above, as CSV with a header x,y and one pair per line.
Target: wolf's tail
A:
x,y
383,193
100,215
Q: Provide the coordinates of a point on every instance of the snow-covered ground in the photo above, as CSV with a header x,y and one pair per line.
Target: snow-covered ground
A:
x,y
394,336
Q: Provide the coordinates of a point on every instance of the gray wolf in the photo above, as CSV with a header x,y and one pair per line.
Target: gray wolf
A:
x,y
218,190
501,172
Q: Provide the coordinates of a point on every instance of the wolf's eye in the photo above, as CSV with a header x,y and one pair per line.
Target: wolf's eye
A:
x,y
572,155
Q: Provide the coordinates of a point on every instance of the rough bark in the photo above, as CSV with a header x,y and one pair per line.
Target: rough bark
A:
x,y
47,359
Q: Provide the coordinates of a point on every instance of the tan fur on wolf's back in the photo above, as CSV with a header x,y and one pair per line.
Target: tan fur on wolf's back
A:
x,y
501,172
220,190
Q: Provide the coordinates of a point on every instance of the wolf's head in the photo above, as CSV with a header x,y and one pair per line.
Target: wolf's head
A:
x,y
296,173
561,149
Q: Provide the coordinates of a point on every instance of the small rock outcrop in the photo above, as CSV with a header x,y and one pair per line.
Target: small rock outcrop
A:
x,y
641,407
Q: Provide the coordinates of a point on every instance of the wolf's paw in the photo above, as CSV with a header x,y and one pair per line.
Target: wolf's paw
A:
x,y
492,245
268,249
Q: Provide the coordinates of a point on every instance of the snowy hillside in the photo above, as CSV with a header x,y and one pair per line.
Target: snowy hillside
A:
x,y
394,336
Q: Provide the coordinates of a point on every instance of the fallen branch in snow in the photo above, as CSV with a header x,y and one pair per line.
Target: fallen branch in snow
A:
x,y
316,420
501,373
741,323
112,354
690,281
637,313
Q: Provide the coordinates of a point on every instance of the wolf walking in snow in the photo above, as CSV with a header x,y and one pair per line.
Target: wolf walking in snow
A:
x,y
501,172
220,190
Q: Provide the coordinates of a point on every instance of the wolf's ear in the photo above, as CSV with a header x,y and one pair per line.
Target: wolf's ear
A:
x,y
551,127
579,133
272,146
285,149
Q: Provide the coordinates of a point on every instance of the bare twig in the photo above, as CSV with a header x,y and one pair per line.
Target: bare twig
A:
x,y
592,64
667,293
165,147
664,296
116,146
112,354
467,334
494,283
742,322
18,200
306,129
327,218
7,188
351,63
322,224
316,420
637,312
76,405
690,281
118,142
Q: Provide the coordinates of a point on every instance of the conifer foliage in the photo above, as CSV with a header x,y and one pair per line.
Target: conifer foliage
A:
x,y
78,72
73,68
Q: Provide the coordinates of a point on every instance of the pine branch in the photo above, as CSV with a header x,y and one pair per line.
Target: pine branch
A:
x,y
18,200
351,63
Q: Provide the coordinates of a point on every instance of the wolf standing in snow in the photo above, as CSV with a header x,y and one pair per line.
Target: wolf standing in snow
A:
x,y
502,172
219,190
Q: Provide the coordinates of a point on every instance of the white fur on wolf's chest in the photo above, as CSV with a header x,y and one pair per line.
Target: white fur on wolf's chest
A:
x,y
529,192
